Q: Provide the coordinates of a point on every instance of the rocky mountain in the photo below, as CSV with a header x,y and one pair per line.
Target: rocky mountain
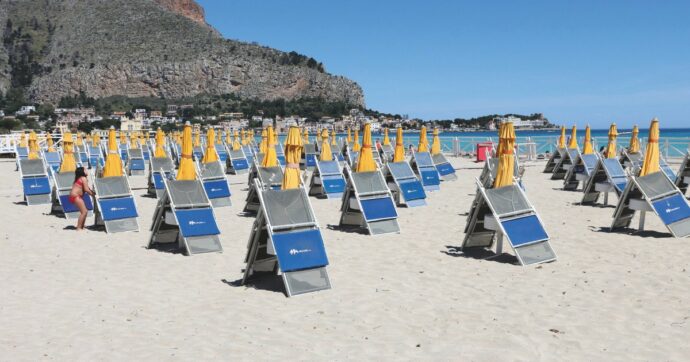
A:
x,y
146,48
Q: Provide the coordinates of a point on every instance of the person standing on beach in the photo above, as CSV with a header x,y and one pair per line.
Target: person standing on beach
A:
x,y
79,188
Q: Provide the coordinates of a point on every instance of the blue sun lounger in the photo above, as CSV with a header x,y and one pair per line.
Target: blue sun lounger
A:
x,y
404,185
667,169
309,157
248,153
683,176
184,216
22,153
215,183
280,155
565,163
160,168
269,178
83,154
35,182
327,180
553,160
62,186
581,170
237,162
608,175
444,168
286,240
95,157
222,153
633,161
123,151
338,156
423,166
136,165
368,204
505,212
115,207
53,160
653,193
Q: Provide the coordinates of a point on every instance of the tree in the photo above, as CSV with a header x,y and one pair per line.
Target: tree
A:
x,y
7,124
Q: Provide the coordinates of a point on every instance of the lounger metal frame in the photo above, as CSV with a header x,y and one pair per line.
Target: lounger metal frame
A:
x,y
119,225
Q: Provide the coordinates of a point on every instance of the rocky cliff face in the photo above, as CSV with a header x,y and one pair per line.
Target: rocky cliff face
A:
x,y
156,48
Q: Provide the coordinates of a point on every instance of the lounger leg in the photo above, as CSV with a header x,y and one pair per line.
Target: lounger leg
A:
x,y
606,198
642,215
499,244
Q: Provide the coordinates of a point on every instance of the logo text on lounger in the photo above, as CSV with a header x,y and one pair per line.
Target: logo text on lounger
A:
x,y
192,222
295,251
118,208
668,211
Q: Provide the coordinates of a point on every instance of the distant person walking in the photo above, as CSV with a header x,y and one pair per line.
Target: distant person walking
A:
x,y
79,188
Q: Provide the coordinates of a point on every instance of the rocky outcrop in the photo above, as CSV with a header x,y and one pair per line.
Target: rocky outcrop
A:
x,y
158,48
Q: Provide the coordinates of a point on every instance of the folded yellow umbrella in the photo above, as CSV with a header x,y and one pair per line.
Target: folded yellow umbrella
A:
x,y
134,140
572,144
80,140
49,142
186,170
587,149
96,141
197,138
366,163
87,139
436,143
210,154
306,136
236,145
611,146
263,146
634,146
501,132
423,142
506,160
113,163
160,144
244,137
356,147
651,156
270,157
293,155
33,146
349,136
561,139
69,163
22,141
326,154
386,140
228,138
333,143
251,139
123,138
399,152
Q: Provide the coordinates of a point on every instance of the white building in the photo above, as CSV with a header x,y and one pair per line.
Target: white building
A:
x,y
25,110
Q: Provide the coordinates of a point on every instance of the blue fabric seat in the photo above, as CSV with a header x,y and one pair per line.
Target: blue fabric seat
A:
x,y
300,250
196,222
118,208
217,188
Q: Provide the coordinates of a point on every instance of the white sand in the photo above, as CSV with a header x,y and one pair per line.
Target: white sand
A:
x,y
68,295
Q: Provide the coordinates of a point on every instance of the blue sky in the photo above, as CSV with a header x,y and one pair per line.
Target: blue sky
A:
x,y
576,61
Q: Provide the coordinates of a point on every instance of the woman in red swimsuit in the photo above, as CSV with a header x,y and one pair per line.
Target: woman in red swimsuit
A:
x,y
79,187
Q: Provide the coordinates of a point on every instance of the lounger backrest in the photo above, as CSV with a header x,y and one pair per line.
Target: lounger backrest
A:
x,y
285,208
270,175
615,172
388,149
573,153
590,161
439,158
309,148
211,170
401,170
236,154
656,185
327,168
667,169
423,159
33,168
136,153
187,193
23,151
64,180
162,164
280,151
115,186
369,183
52,157
508,200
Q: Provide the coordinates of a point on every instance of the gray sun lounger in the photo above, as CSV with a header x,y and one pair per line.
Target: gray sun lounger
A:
x,y
269,178
368,204
160,168
580,170
607,176
404,184
565,163
554,159
215,183
327,180
35,182
115,208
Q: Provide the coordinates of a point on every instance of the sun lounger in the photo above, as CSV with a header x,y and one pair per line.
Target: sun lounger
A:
x,y
581,170
82,154
423,165
62,186
565,163
309,156
404,184
368,203
327,180
269,178
632,161
198,153
655,193
237,162
280,155
123,151
95,157
136,165
666,169
607,176
286,239
554,159
248,153
53,160
444,168
35,182
683,176
506,212
115,206
22,153
388,152
184,216
160,168
215,183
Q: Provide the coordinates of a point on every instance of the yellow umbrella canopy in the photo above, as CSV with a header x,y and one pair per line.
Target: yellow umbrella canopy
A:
x,y
634,146
96,140
386,140
251,139
80,140
123,138
69,163
561,139
366,157
33,146
134,140
306,136
423,142
293,155
264,142
160,144
506,160
87,138
349,136
244,137
270,157
22,140
113,163
326,154
333,143
197,138
236,145
186,170
651,156
210,154
587,149
436,143
611,146
49,142
499,148
356,147
572,144
399,153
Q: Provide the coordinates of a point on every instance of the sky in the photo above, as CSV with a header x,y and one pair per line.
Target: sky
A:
x,y
578,62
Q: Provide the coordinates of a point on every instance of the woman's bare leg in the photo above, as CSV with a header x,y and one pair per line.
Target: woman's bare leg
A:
x,y
83,211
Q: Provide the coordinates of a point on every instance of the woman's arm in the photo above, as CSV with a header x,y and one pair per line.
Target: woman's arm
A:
x,y
87,189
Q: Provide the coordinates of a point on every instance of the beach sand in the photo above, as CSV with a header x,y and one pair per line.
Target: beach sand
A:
x,y
93,296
